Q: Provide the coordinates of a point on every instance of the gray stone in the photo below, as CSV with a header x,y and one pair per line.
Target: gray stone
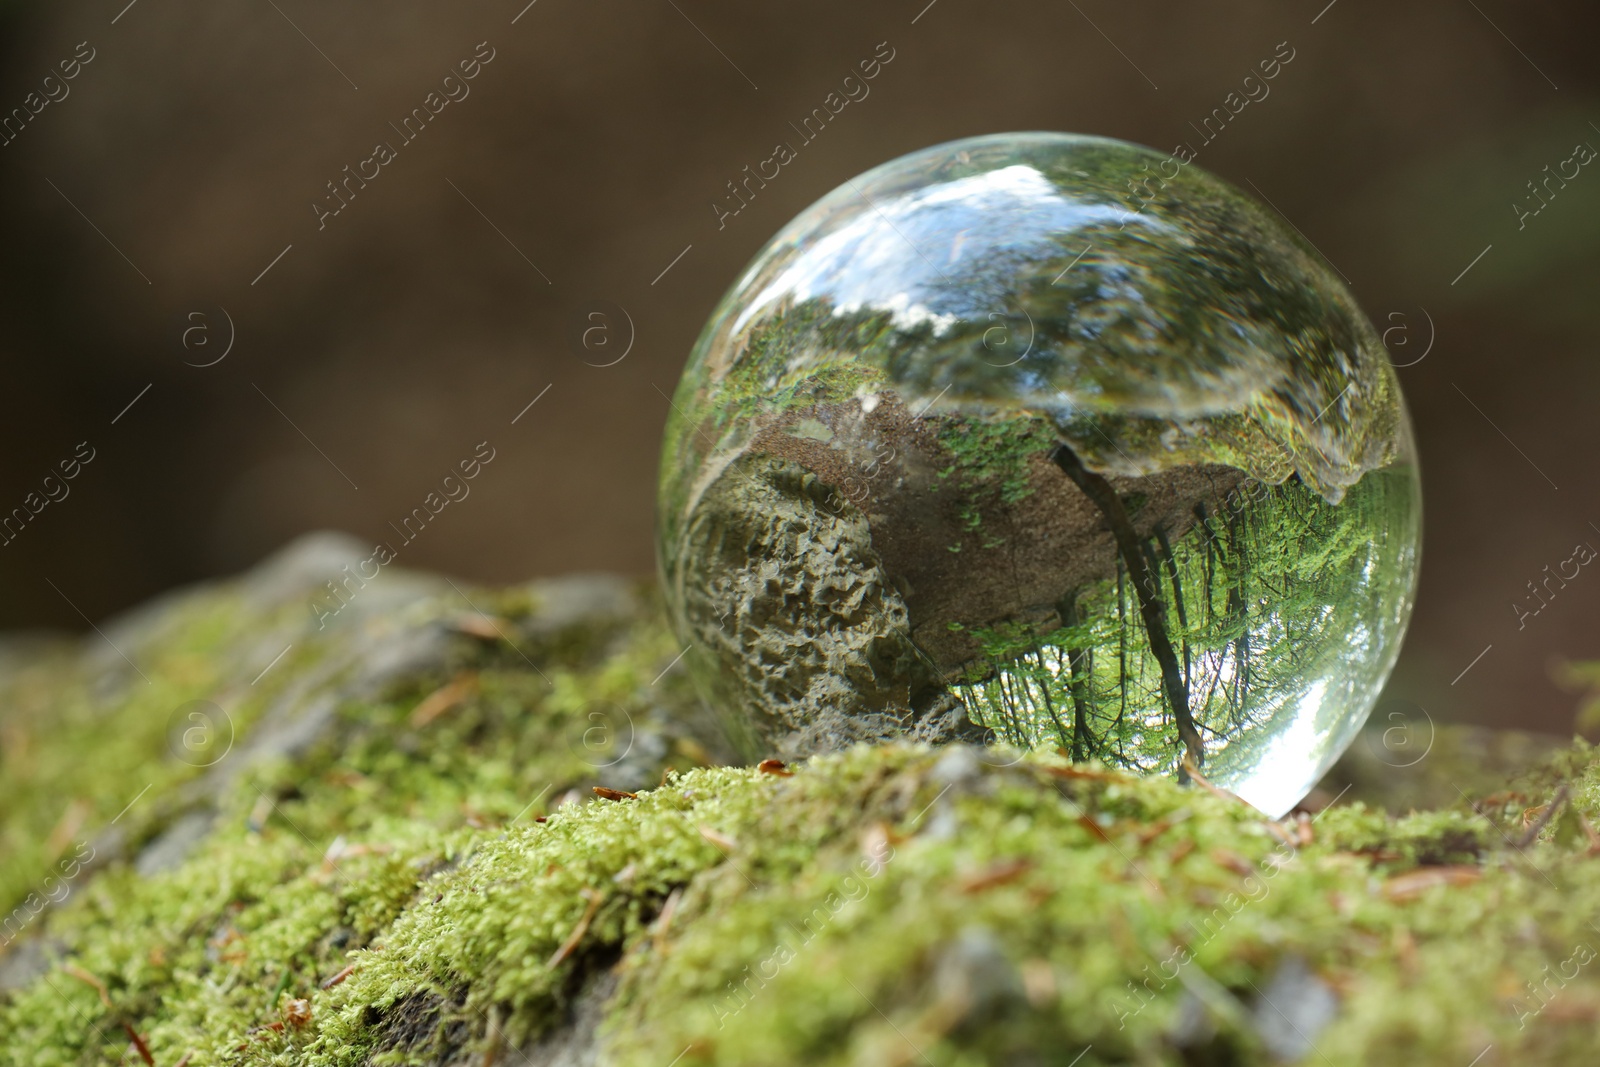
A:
x,y
174,844
973,976
1293,1009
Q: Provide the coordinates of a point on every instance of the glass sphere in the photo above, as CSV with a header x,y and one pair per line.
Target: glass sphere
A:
x,y
1046,440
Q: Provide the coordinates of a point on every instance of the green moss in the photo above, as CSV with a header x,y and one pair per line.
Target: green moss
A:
x,y
992,459
1102,934
994,455
72,757
883,905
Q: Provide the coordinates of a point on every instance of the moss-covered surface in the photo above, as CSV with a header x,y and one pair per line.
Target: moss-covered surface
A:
x,y
438,848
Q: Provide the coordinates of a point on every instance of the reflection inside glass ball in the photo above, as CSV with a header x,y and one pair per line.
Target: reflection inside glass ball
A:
x,y
1046,440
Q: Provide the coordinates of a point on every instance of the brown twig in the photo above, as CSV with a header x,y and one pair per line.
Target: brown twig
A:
x,y
1275,828
491,1048
1413,884
718,838
613,794
443,699
341,976
1589,832
1563,795
1081,774
998,874
1226,857
138,1043
72,970
1095,829
480,626
658,937
1204,783
594,897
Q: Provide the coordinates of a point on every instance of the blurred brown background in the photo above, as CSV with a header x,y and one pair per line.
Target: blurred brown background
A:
x,y
379,350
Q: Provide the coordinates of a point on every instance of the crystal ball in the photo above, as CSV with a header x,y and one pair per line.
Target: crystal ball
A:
x,y
1049,442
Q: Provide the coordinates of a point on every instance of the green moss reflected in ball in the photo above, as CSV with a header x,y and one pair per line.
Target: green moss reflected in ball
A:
x,y
1046,440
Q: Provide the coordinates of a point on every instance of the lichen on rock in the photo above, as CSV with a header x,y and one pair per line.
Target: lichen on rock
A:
x,y
820,636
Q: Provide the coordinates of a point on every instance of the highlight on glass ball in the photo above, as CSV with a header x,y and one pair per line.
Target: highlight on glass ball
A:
x,y
1047,441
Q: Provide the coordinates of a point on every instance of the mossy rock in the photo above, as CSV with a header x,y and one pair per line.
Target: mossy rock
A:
x,y
402,859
